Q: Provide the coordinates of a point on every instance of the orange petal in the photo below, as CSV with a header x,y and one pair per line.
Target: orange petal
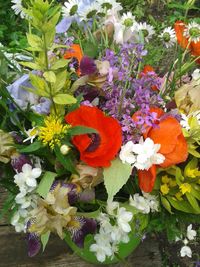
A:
x,y
179,28
147,179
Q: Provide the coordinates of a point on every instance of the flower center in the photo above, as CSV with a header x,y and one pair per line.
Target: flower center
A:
x,y
166,37
73,10
128,22
145,32
95,142
91,14
194,32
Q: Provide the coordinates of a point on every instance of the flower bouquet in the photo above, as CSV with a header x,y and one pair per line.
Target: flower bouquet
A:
x,y
95,145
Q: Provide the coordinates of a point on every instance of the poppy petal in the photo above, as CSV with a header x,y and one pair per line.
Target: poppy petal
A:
x,y
147,179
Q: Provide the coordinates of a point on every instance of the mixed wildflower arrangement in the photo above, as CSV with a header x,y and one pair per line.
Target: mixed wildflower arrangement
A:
x,y
95,145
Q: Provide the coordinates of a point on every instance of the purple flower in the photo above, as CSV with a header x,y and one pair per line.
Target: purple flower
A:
x,y
87,66
18,160
87,195
79,227
34,244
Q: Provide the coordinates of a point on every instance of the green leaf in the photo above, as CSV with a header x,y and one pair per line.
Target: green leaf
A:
x,y
116,176
30,148
45,239
31,65
62,63
78,130
193,202
46,183
181,205
80,82
49,76
61,79
65,160
166,204
34,41
64,99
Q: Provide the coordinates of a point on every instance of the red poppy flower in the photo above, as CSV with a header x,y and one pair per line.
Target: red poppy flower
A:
x,y
74,52
173,146
97,150
183,41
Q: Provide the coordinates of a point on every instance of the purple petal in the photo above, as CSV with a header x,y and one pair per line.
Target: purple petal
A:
x,y
87,66
64,25
34,245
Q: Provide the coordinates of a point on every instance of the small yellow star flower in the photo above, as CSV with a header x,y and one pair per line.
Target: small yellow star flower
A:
x,y
193,173
165,179
53,131
184,188
164,189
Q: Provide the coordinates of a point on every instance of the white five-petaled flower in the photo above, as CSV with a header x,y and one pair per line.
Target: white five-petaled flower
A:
x,y
168,36
191,234
27,178
192,32
142,155
144,29
196,75
32,134
186,251
123,219
18,8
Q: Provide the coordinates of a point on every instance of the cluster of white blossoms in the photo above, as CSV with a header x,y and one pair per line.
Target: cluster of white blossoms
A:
x,y
26,198
142,155
111,235
191,235
145,203
18,8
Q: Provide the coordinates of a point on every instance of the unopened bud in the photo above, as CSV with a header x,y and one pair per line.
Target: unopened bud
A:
x,y
64,149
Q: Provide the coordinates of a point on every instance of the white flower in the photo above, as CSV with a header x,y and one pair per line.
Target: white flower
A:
x,y
145,29
27,178
186,251
126,154
140,203
32,134
102,248
18,8
168,37
192,32
147,154
70,8
128,19
123,219
88,11
111,206
118,235
152,201
109,5
191,234
196,75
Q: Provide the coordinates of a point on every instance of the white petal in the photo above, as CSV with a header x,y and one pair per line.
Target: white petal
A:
x,y
36,172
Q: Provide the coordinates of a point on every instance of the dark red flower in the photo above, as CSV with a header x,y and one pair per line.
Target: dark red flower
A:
x,y
97,149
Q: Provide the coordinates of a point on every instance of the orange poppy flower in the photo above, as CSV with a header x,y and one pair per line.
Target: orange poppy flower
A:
x,y
173,146
183,41
96,149
74,52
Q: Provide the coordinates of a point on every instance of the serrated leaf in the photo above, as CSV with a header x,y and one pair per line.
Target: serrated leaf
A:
x,y
49,76
64,99
46,183
78,130
34,40
31,65
116,176
45,239
61,79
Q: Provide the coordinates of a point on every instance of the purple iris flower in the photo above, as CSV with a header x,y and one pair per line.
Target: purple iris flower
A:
x,y
80,227
18,160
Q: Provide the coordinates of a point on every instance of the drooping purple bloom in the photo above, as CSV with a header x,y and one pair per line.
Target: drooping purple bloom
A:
x,y
87,66
18,160
87,195
34,244
79,227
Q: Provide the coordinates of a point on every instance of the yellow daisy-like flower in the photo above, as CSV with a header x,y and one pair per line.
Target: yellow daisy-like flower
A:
x,y
53,131
193,173
164,189
185,188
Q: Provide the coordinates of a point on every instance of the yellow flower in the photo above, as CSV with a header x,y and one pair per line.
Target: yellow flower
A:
x,y
53,131
164,189
6,146
192,173
179,196
185,188
165,179
172,183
